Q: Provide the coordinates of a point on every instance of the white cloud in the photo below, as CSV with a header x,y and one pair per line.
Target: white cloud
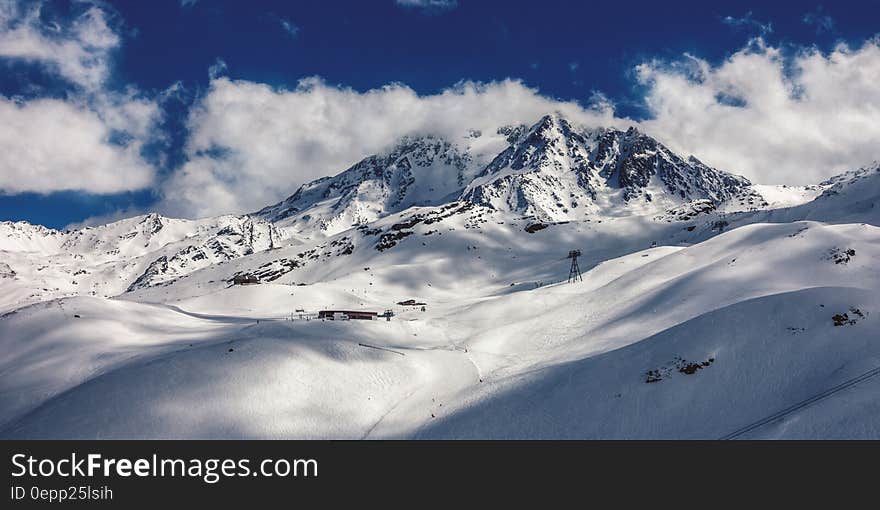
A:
x,y
89,141
428,5
748,22
78,51
187,3
217,69
772,118
289,27
49,145
819,20
251,144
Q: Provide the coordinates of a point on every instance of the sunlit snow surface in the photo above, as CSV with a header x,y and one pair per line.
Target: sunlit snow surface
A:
x,y
684,325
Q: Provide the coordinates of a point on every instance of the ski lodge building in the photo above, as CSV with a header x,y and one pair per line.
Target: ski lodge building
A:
x,y
347,314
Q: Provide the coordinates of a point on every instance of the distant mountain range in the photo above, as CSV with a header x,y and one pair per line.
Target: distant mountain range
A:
x,y
550,172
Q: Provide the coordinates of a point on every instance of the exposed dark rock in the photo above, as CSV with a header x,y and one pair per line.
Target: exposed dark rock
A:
x,y
534,227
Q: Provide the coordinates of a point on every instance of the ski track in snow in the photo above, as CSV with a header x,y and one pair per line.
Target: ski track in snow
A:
x,y
800,405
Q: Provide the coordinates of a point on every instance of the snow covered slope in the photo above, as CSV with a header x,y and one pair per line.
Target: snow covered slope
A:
x,y
709,307
852,196
128,254
849,197
695,341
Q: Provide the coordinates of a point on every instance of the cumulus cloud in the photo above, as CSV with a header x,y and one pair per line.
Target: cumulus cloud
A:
x,y
90,140
49,145
251,144
78,50
793,119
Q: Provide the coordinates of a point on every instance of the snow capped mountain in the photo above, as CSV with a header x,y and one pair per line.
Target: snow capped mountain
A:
x,y
237,237
550,172
852,196
130,237
23,236
842,181
553,171
109,259
707,303
418,171
556,172
859,189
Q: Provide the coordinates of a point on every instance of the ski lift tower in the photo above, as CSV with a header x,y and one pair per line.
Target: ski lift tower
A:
x,y
574,274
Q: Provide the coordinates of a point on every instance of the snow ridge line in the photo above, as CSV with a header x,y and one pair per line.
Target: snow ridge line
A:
x,y
800,405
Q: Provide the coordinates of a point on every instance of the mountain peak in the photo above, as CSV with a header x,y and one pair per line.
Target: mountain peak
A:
x,y
417,170
553,169
557,171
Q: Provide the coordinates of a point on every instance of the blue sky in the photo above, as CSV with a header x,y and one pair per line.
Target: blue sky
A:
x,y
142,97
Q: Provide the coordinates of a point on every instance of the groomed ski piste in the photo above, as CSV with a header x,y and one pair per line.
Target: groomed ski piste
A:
x,y
725,323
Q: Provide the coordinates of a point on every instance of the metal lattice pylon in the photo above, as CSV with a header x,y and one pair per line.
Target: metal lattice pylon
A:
x,y
574,274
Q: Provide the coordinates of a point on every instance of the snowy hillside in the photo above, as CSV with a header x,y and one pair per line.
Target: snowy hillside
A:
x,y
709,307
560,360
128,254
851,196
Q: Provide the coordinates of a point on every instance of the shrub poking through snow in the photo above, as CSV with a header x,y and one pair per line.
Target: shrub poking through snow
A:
x,y
678,364
845,319
653,376
840,256
842,319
